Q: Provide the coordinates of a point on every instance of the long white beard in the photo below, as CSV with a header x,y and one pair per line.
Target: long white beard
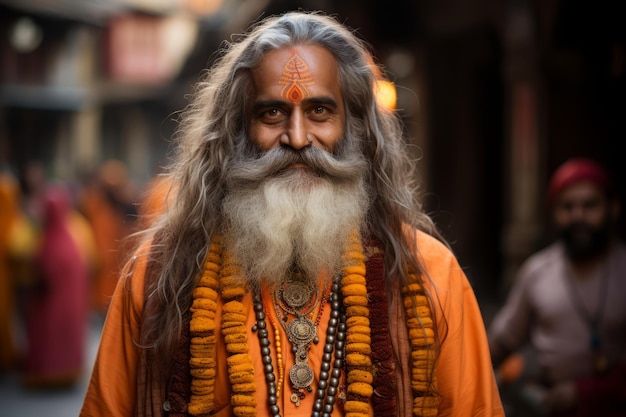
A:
x,y
295,219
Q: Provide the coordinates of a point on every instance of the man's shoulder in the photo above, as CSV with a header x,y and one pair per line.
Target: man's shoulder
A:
x,y
433,252
141,253
542,261
548,253
427,243
136,267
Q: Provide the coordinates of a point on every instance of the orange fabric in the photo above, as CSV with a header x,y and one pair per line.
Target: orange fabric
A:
x,y
466,379
109,231
18,245
9,213
112,388
511,368
465,375
288,408
83,234
156,199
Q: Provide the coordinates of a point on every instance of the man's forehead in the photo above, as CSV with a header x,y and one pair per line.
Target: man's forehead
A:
x,y
296,78
581,190
308,53
295,70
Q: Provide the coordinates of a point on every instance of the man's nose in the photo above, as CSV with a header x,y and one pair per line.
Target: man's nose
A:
x,y
296,134
577,212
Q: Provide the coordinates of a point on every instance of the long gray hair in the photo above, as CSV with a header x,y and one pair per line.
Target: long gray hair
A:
x,y
212,132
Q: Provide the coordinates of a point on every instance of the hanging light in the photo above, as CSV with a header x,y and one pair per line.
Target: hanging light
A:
x,y
384,90
25,35
386,95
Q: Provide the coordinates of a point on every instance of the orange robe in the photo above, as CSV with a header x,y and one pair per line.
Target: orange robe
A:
x,y
110,229
9,213
464,372
156,199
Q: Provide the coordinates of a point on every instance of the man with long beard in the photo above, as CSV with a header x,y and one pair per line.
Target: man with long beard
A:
x,y
294,271
570,299
291,208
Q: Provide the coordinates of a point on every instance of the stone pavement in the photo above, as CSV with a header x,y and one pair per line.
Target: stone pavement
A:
x,y
15,401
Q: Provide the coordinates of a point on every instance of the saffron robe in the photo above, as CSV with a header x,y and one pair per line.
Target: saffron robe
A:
x,y
9,217
465,376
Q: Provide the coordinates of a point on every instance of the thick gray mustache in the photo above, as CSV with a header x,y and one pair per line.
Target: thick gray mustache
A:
x,y
257,167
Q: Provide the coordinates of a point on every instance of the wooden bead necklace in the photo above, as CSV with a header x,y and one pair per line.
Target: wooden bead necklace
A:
x,y
330,371
279,352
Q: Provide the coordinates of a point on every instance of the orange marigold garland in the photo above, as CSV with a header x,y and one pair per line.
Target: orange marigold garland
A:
x,y
239,361
359,375
202,333
421,333
222,277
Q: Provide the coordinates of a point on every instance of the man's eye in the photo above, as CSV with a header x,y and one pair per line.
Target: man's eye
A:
x,y
319,109
272,112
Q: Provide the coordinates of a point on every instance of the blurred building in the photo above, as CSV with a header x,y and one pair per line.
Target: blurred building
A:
x,y
495,95
83,81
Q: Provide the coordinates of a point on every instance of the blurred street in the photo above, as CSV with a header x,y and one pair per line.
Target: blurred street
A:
x,y
18,402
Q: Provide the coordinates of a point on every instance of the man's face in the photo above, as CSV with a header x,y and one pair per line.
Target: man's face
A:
x,y
297,100
581,215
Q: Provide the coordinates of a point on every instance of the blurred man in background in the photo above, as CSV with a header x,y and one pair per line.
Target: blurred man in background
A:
x,y
570,299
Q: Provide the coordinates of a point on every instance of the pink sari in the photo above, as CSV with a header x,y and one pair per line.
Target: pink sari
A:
x,y
57,316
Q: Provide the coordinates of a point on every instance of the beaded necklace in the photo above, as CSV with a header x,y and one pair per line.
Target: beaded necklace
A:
x,y
279,351
328,380
591,319
299,297
221,278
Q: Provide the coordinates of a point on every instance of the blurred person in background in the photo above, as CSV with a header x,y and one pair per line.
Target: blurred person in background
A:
x,y
569,300
9,215
18,245
33,181
295,272
108,203
57,307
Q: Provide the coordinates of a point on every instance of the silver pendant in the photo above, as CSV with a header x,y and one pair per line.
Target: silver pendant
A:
x,y
301,375
296,294
301,331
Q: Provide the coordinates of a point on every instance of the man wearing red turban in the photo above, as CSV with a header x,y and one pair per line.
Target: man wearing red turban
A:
x,y
569,301
578,170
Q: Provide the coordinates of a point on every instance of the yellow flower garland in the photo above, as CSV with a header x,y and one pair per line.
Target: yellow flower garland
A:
x,y
222,277
359,375
239,361
423,351
202,331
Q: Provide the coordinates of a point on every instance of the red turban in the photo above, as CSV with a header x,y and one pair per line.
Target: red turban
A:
x,y
577,170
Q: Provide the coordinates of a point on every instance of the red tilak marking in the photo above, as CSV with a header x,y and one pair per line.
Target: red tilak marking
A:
x,y
295,78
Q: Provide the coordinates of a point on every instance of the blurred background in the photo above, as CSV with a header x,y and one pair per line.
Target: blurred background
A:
x,y
495,95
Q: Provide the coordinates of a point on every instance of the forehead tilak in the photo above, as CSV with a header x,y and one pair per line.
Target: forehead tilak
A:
x,y
295,79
